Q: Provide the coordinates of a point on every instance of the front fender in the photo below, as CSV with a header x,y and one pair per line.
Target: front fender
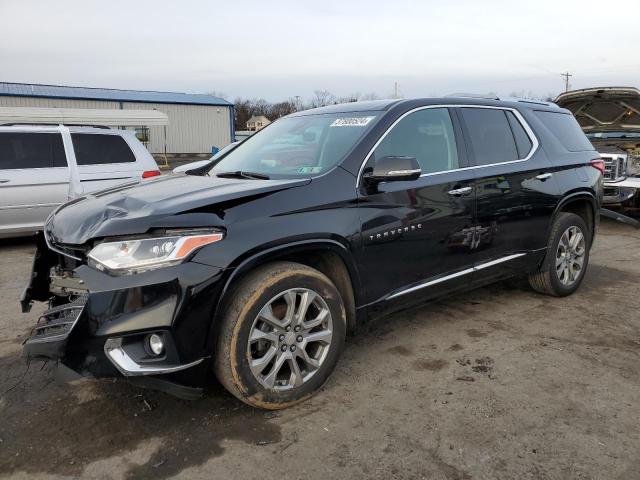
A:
x,y
250,261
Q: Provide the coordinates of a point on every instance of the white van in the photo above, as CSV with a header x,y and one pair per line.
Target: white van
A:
x,y
42,167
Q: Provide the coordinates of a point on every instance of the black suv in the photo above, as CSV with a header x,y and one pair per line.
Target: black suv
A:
x,y
256,266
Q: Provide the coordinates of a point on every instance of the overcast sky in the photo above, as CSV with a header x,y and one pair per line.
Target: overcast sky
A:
x,y
279,49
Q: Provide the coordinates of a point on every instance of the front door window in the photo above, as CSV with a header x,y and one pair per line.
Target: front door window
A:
x,y
428,136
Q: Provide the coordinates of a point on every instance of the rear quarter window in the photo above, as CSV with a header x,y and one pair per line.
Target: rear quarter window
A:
x,y
96,149
566,129
523,142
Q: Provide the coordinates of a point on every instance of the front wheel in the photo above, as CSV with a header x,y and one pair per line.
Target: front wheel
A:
x,y
567,258
281,335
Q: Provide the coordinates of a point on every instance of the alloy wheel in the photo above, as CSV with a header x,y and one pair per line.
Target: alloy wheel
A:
x,y
289,339
570,255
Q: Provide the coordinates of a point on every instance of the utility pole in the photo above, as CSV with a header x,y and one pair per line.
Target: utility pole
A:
x,y
566,80
297,103
395,89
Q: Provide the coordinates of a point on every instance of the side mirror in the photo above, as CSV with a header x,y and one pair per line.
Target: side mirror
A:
x,y
389,169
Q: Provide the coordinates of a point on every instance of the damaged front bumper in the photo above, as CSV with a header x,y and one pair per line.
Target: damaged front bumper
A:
x,y
99,325
48,339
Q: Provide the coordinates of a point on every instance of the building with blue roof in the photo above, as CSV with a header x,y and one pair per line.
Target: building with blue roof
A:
x,y
197,122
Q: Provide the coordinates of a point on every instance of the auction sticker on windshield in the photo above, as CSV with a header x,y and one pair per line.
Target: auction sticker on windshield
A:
x,y
351,122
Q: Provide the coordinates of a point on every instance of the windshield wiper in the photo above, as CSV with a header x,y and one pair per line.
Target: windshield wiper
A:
x,y
243,174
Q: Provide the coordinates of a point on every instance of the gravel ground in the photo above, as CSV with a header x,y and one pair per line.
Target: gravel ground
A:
x,y
499,383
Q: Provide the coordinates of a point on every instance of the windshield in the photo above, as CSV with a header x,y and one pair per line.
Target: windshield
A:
x,y
298,146
613,135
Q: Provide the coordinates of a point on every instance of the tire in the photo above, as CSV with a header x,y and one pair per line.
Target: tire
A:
x,y
549,280
259,308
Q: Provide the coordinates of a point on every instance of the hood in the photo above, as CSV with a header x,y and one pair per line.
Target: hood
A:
x,y
607,109
172,201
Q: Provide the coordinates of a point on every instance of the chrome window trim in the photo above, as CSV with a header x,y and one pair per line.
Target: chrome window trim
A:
x,y
455,275
403,172
534,140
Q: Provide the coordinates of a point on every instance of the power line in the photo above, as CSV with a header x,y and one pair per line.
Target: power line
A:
x,y
566,80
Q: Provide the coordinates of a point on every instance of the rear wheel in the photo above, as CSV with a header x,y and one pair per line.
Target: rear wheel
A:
x,y
281,335
567,258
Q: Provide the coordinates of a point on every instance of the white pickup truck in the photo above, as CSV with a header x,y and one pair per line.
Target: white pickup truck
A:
x,y
610,117
42,167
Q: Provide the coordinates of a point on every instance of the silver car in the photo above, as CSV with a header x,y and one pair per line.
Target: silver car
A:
x,y
42,167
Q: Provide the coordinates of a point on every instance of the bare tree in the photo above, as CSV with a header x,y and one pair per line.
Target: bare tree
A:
x,y
322,98
245,109
369,96
354,97
243,112
281,109
531,95
260,107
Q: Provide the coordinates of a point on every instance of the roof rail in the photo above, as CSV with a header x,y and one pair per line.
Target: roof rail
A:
x,y
504,99
528,100
483,96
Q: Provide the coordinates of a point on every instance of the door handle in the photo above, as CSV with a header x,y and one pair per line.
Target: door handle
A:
x,y
460,191
4,180
544,176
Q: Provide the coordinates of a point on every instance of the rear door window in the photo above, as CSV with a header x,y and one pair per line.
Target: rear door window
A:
x,y
490,135
24,150
566,129
96,149
426,135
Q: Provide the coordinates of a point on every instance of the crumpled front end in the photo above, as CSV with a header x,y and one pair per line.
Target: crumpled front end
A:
x,y
101,325
48,339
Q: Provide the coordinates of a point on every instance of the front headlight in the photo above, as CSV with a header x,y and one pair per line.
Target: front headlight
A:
x,y
138,255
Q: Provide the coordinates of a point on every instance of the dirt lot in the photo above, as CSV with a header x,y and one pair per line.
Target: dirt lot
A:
x,y
497,383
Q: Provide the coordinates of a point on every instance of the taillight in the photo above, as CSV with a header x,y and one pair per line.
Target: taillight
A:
x,y
150,173
598,164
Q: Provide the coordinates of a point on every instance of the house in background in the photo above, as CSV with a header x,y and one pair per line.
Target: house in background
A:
x,y
257,122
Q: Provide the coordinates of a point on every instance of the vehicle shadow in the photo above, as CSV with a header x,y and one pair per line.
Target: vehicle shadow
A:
x,y
61,429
